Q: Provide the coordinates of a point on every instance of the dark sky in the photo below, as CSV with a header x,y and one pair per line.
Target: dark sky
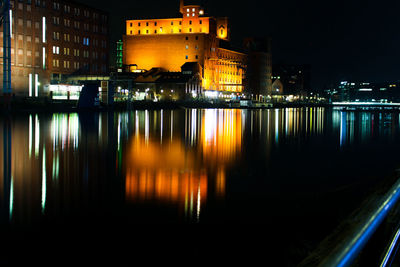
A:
x,y
342,40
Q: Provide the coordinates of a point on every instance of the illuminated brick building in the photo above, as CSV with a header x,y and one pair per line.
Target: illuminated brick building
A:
x,y
170,43
52,39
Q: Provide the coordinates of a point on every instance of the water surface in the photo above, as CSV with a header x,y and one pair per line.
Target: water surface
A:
x,y
228,185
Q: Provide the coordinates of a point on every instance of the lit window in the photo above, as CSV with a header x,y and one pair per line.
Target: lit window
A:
x,y
188,10
193,9
193,15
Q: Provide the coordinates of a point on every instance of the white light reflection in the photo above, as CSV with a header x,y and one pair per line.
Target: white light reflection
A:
x,y
56,166
147,127
193,134
119,131
276,126
11,208
137,125
65,131
37,135
210,120
30,135
44,188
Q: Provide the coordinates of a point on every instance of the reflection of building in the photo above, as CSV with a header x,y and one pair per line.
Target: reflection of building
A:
x,y
165,174
51,39
221,135
161,169
170,43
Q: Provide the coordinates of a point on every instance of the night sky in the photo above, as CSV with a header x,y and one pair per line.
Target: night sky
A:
x,y
342,40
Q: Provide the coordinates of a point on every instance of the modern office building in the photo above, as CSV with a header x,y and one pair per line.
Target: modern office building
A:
x,y
353,91
194,37
52,39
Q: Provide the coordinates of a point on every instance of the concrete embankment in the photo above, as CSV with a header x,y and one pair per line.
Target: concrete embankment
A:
x,y
39,105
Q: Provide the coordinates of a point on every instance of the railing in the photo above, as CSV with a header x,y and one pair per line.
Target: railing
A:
x,y
358,233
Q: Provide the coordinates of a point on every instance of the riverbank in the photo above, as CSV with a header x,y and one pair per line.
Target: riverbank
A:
x,y
46,105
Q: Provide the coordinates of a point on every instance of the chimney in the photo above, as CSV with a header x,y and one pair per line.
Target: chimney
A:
x,y
181,5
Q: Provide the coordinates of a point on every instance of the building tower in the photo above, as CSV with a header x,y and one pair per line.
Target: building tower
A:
x,y
259,68
181,5
170,43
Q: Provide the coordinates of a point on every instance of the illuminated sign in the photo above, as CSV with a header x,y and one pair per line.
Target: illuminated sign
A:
x,y
65,92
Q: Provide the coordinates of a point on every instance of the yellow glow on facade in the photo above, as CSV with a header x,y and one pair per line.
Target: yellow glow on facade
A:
x,y
170,43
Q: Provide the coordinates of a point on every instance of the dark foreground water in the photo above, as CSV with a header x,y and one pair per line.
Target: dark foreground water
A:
x,y
186,187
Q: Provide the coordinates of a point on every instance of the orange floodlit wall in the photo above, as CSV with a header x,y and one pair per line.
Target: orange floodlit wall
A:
x,y
167,26
170,43
168,51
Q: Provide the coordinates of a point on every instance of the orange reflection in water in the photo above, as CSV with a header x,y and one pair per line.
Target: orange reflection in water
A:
x,y
164,173
221,135
168,172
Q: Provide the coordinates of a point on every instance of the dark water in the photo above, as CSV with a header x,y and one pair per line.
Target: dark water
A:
x,y
186,186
